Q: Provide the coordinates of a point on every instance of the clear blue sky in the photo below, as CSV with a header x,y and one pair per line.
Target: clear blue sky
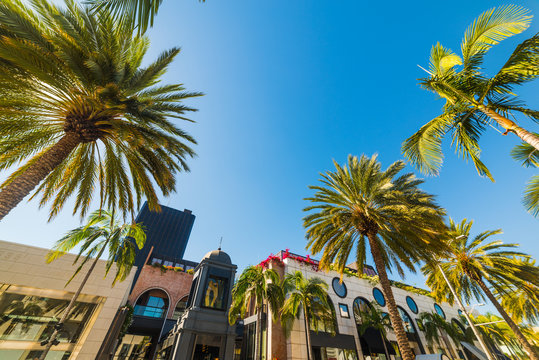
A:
x,y
292,85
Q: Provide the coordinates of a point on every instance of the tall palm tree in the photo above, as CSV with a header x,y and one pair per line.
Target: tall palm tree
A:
x,y
474,99
310,298
141,13
360,204
101,232
474,267
436,330
255,287
372,317
81,114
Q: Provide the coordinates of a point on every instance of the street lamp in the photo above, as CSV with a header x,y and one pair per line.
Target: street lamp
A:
x,y
464,311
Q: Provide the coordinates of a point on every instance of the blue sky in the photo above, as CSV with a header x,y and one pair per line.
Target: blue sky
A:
x,y
292,85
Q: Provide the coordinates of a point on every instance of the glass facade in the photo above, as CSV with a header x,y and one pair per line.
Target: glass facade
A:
x,y
28,316
330,353
133,347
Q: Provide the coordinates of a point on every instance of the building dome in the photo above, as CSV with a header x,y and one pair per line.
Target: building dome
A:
x,y
218,256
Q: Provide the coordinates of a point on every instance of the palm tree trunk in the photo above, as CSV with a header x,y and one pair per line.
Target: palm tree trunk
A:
x,y
509,125
520,337
72,303
385,345
13,193
396,321
307,335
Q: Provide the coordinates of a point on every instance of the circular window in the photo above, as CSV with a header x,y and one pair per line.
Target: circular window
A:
x,y
411,304
339,287
379,296
460,312
439,310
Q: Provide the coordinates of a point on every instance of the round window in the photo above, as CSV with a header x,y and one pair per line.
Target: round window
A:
x,y
411,304
339,287
439,310
460,312
379,296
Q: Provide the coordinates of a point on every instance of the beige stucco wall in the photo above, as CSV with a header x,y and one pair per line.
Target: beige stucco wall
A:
x,y
25,266
356,287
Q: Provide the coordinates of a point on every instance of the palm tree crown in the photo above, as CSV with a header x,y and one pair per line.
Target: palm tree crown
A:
x,y
359,203
477,268
81,113
473,99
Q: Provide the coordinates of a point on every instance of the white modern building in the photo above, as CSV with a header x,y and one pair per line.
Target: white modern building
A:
x,y
347,297
33,295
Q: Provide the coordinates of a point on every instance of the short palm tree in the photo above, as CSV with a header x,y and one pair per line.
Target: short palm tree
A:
x,y
472,98
255,287
529,157
310,298
476,268
81,114
495,331
138,12
101,232
372,317
436,330
360,204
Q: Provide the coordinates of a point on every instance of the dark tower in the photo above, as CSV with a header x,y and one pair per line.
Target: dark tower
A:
x,y
167,231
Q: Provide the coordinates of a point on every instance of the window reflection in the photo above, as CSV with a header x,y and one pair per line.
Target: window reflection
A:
x,y
153,303
180,308
320,321
214,295
408,325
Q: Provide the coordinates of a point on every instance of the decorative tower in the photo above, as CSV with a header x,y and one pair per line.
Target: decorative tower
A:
x,y
203,332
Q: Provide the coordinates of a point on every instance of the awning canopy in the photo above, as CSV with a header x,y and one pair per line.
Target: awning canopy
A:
x,y
481,355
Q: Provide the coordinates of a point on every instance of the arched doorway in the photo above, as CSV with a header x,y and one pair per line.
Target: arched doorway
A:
x,y
152,303
411,332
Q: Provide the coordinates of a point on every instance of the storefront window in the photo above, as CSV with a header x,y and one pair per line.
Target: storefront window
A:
x,y
214,295
329,353
327,324
180,308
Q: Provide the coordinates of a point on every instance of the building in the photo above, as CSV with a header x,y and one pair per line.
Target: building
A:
x,y
160,287
346,298
33,295
167,232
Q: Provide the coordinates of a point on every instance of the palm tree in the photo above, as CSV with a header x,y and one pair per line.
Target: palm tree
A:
x,y
138,12
81,114
371,316
434,327
495,331
255,287
310,297
529,157
473,99
101,232
475,267
359,204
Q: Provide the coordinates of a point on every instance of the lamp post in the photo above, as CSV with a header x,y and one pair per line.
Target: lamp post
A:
x,y
465,312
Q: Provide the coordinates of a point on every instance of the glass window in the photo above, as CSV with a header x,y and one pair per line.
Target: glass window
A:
x,y
460,312
214,294
153,303
439,310
343,308
339,287
334,353
458,325
28,317
180,308
360,306
319,323
379,296
408,324
411,304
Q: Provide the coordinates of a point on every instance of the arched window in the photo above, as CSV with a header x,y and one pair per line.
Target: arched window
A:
x,y
407,320
180,307
360,305
153,303
458,326
328,325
